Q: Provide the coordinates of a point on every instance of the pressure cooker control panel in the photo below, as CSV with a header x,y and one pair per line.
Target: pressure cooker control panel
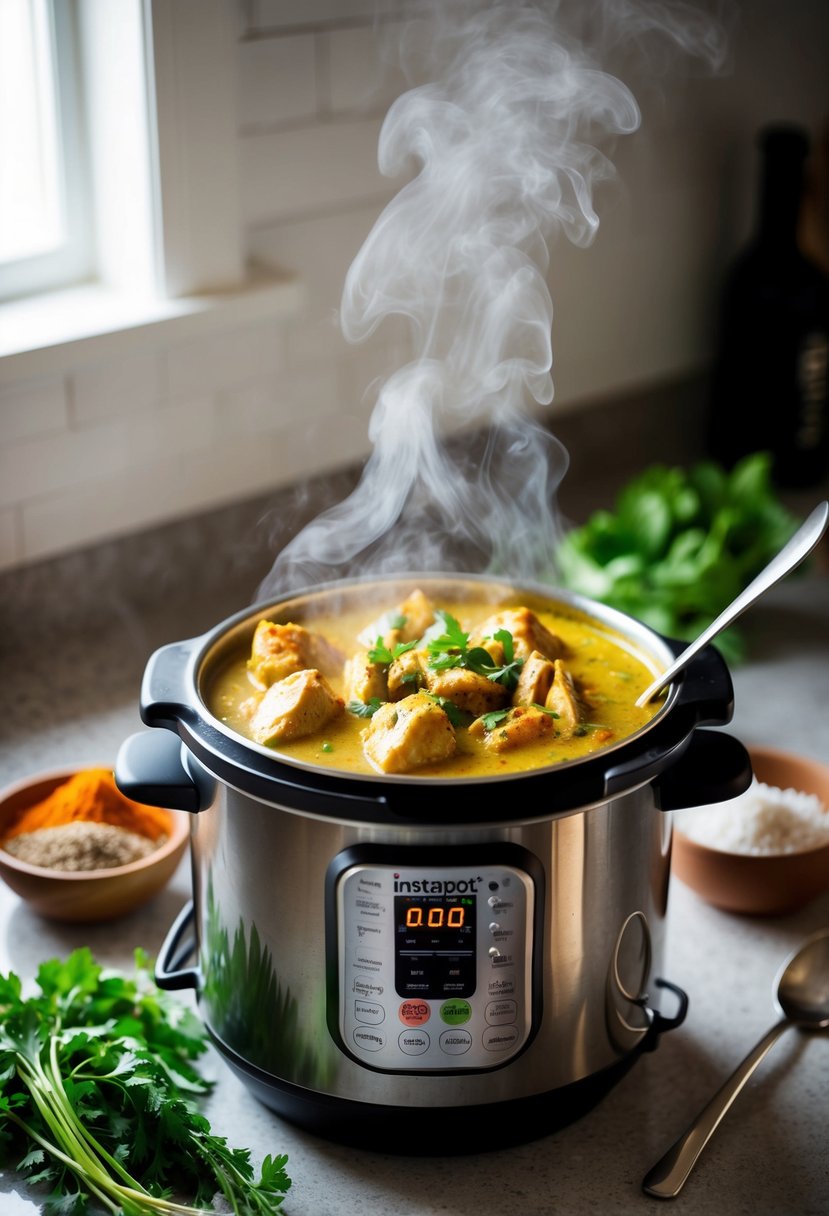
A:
x,y
434,963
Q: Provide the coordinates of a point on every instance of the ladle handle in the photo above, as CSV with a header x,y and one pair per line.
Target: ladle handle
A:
x,y
790,556
666,1179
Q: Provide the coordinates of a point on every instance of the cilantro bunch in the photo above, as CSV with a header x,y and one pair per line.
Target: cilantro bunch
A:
x,y
680,545
97,1098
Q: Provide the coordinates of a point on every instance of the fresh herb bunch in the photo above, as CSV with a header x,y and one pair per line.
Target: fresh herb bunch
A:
x,y
451,649
97,1098
680,545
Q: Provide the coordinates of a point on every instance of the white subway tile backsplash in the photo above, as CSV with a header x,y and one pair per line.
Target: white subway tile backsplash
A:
x,y
32,407
57,461
206,365
288,174
319,251
122,386
295,400
276,81
362,76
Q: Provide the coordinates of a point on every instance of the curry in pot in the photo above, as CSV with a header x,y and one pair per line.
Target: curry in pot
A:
x,y
441,689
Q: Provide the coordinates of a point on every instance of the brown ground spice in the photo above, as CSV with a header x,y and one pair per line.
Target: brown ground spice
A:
x,y
80,846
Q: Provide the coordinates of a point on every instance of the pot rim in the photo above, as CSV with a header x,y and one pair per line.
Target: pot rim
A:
x,y
626,630
171,697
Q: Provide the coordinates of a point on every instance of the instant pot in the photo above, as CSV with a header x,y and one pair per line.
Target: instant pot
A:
x,y
425,965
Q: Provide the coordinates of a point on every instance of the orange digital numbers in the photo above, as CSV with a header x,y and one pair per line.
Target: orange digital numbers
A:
x,y
435,917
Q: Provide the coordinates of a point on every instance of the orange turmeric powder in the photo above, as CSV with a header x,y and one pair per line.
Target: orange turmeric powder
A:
x,y
91,796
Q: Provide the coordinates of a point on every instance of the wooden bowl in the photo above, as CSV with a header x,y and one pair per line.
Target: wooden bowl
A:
x,y
767,884
85,895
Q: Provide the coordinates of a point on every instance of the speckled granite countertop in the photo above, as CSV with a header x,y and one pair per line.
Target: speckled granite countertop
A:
x,y
74,702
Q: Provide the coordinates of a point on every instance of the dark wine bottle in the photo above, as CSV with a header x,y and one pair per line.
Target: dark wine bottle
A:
x,y
770,380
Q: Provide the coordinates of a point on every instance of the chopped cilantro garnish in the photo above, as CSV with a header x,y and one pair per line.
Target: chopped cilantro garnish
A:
x,y
380,653
455,715
493,718
364,709
451,649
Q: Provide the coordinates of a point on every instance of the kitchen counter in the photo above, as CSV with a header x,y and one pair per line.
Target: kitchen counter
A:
x,y
74,703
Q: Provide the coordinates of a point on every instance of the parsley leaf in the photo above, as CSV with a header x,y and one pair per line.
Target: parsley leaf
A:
x,y
451,649
97,1078
380,653
680,545
364,709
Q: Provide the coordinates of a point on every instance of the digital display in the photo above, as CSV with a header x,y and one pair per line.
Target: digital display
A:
x,y
435,945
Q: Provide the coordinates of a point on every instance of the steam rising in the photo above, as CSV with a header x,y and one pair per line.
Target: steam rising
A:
x,y
503,144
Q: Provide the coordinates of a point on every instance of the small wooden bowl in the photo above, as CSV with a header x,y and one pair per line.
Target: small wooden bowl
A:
x,y
760,884
85,895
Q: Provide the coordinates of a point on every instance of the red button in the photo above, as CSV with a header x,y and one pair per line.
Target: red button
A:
x,y
414,1013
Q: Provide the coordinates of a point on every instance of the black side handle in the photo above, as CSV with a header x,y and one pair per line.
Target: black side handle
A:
x,y
170,972
149,769
714,767
660,1024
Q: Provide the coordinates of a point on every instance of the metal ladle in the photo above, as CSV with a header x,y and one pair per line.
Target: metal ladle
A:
x,y
792,554
802,996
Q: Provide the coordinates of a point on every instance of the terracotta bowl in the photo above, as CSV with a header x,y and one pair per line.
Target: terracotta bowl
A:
x,y
765,884
85,895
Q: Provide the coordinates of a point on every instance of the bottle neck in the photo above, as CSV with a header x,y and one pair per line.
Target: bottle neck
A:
x,y
781,187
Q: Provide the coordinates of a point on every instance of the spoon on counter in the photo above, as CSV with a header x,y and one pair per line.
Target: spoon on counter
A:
x,y
802,996
792,554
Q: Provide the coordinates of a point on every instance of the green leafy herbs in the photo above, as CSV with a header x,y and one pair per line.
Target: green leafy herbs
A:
x,y
364,709
680,545
451,649
98,1090
496,716
380,653
458,717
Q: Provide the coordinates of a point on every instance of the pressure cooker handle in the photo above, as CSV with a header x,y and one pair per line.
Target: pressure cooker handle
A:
x,y
713,768
170,974
149,769
165,695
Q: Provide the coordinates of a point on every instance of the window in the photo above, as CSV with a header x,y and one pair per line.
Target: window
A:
x,y
44,229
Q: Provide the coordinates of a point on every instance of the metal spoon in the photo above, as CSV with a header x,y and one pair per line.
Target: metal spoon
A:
x,y
791,555
802,996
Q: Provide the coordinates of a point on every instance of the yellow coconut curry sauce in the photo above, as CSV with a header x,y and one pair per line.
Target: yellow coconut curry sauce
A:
x,y
426,687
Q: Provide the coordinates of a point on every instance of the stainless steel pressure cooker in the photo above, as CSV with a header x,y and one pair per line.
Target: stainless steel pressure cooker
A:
x,y
423,965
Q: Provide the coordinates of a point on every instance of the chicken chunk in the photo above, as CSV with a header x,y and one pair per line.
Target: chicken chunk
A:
x,y
364,679
473,693
522,724
406,674
299,705
528,634
405,623
280,650
564,699
407,734
535,680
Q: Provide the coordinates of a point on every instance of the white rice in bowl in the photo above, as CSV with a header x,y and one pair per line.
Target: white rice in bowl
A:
x,y
764,820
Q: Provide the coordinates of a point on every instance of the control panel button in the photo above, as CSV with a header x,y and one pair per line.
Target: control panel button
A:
x,y
499,1038
501,1013
368,986
414,1042
455,1042
370,1012
456,1012
414,1013
369,1040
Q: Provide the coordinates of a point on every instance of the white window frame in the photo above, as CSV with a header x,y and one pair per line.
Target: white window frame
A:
x,y
173,260
72,260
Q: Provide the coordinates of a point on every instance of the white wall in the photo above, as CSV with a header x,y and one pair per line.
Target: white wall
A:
x,y
171,425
